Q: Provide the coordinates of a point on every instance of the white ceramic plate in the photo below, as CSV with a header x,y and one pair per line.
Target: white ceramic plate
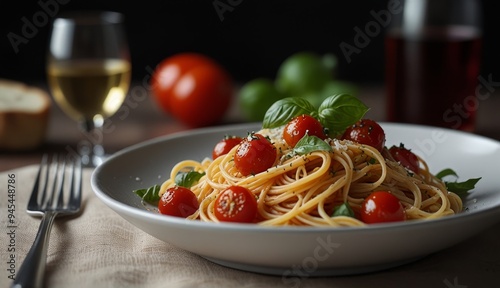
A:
x,y
299,251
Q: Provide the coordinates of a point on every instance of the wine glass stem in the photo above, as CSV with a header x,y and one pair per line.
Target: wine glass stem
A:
x,y
91,149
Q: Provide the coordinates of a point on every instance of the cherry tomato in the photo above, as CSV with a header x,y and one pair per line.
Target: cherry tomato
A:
x,y
254,155
193,88
178,201
367,132
382,206
225,145
405,157
236,204
299,126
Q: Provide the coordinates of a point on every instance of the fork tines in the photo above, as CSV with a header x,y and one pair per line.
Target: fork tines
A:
x,y
52,182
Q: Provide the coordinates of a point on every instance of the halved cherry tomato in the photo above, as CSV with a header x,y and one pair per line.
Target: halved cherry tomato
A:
x,y
382,206
225,145
367,132
300,126
405,157
254,155
235,204
193,88
178,201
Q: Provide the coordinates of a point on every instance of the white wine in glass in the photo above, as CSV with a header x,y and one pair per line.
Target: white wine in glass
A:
x,y
89,72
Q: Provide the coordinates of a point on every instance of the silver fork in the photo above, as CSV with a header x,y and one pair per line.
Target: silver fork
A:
x,y
51,182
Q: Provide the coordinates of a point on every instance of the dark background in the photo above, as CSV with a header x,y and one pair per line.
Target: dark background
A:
x,y
250,38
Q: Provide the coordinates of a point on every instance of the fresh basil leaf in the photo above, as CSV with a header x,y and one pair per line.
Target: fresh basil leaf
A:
x,y
150,194
308,144
445,173
340,111
343,210
462,188
283,110
187,179
459,188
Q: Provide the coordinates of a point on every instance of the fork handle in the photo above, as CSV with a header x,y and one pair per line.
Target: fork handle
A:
x,y
31,273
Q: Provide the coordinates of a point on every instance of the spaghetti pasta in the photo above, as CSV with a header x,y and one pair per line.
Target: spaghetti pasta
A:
x,y
305,189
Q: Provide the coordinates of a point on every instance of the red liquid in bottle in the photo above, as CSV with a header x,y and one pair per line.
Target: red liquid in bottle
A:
x,y
431,80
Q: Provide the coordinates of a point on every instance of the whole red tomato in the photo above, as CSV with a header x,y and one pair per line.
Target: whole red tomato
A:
x,y
193,88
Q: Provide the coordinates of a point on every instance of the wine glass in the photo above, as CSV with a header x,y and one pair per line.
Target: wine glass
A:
x,y
89,69
433,51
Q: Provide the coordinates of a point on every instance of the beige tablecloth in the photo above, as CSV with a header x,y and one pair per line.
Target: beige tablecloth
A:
x,y
100,249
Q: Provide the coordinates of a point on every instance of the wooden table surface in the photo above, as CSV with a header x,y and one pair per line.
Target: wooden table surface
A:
x,y
140,119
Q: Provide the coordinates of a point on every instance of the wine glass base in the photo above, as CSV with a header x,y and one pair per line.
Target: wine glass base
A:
x,y
92,161
91,155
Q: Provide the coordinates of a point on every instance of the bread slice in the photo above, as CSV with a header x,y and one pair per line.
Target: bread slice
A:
x,y
24,116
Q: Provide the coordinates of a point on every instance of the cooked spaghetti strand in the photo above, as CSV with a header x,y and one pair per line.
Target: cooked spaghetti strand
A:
x,y
304,189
